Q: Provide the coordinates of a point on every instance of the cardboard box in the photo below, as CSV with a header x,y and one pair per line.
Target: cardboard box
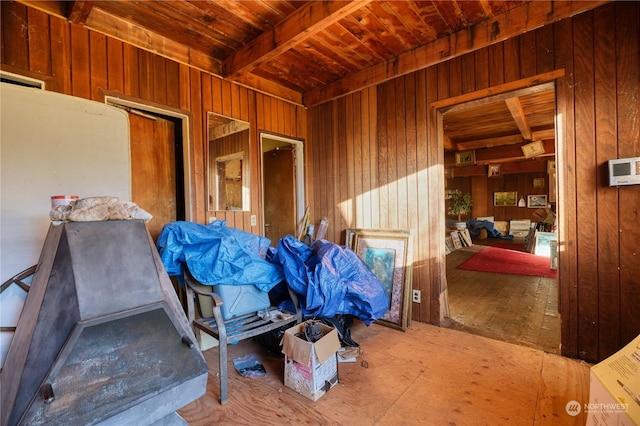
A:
x,y
614,391
311,369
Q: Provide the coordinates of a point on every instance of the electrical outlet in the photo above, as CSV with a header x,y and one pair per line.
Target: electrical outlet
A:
x,y
212,219
416,296
253,220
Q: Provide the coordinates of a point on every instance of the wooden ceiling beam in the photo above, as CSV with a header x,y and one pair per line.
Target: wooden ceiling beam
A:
x,y
517,21
538,135
78,11
515,108
307,21
490,142
509,153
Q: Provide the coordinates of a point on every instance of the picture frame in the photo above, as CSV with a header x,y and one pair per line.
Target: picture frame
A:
x,y
538,182
532,149
536,201
466,158
494,170
505,199
388,254
542,245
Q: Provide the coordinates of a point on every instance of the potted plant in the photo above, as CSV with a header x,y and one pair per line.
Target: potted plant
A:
x,y
460,203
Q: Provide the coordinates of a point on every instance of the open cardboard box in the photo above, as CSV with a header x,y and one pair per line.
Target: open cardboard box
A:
x,y
614,393
311,369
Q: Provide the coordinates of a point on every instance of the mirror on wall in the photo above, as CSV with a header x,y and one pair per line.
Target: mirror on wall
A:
x,y
228,163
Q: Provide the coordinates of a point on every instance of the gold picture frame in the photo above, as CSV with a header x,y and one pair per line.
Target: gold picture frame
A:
x,y
388,253
494,170
466,158
505,199
533,149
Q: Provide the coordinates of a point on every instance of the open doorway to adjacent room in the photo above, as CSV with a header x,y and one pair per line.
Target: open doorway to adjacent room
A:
x,y
282,185
500,147
159,153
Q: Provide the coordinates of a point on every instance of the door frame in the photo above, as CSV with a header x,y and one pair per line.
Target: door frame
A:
x,y
299,172
435,117
183,117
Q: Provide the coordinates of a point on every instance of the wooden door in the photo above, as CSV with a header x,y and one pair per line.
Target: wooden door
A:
x,y
279,194
153,169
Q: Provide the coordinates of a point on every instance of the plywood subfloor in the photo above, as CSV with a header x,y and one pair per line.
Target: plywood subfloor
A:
x,y
518,309
425,376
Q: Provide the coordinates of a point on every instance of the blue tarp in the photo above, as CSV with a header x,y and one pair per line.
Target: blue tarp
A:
x,y
217,254
332,280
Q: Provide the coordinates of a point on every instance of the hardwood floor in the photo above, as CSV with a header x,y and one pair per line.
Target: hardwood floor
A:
x,y
517,309
425,376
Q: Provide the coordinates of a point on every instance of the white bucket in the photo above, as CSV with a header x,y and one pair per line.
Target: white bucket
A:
x,y
62,200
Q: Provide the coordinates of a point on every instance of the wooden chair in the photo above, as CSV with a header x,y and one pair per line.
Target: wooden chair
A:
x,y
234,329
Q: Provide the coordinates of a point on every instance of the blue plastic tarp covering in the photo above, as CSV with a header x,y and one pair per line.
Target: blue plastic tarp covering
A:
x,y
217,254
332,280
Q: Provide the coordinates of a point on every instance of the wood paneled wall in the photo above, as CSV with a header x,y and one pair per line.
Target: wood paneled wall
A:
x,y
375,161
78,62
482,188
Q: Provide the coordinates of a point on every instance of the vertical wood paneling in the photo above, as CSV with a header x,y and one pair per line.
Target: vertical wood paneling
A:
x,y
411,154
369,213
145,74
197,160
496,64
527,54
468,72
607,198
98,64
172,84
456,73
84,63
587,140
15,50
384,94
395,164
60,62
511,59
628,118
184,81
131,71
568,265
375,153
216,94
256,164
115,65
421,268
544,49
350,164
206,104
80,73
333,187
586,177
226,98
39,42
482,68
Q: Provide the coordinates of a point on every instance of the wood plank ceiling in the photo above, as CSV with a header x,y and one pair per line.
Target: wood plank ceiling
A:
x,y
308,52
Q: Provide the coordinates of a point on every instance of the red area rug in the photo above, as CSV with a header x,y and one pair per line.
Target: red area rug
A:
x,y
505,261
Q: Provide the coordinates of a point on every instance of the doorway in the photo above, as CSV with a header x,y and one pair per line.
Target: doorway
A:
x,y
282,185
494,128
158,171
